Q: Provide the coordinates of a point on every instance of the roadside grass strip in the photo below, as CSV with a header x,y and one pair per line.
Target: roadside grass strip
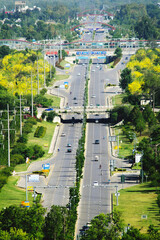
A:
x,y
56,100
59,77
10,194
46,140
138,205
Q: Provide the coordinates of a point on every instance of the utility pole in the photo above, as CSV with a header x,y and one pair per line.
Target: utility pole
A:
x,y
37,75
118,145
26,190
8,137
50,61
8,129
31,94
116,195
44,67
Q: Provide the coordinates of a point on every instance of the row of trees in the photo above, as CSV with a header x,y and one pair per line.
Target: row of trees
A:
x,y
48,23
141,21
34,223
140,81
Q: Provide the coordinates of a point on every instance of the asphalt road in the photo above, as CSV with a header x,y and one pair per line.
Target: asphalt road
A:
x,y
95,196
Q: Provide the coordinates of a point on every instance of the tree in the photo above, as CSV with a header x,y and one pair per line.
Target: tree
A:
x,y
118,52
145,28
126,78
4,50
140,124
104,226
55,223
134,234
151,84
149,116
29,220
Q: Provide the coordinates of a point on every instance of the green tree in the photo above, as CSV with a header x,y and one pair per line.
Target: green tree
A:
x,y
55,223
125,79
118,52
151,84
145,28
104,226
134,234
29,220
149,116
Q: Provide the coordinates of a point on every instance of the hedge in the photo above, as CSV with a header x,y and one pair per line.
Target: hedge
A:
x,y
40,132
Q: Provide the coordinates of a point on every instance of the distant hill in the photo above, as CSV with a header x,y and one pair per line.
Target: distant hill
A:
x,y
83,4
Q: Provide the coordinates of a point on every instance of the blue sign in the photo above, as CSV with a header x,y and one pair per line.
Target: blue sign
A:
x,y
92,52
46,166
82,57
101,57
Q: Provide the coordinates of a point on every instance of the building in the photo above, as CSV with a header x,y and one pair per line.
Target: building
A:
x,y
19,5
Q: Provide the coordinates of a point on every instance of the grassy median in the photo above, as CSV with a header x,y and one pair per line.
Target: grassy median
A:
x,y
138,205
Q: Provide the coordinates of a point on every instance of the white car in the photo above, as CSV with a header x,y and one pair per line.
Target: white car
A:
x,y
63,135
95,183
93,96
93,70
78,74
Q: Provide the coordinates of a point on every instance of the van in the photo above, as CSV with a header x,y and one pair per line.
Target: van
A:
x,y
96,158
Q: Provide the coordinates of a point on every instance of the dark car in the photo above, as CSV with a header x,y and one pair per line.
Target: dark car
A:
x,y
96,141
69,150
74,98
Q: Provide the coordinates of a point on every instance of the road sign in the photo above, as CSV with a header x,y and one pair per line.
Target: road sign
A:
x,y
46,166
112,138
101,57
65,83
34,178
30,188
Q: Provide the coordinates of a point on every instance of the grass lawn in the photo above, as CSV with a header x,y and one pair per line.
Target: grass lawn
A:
x,y
63,63
12,195
43,142
137,201
59,77
46,140
56,100
125,146
117,99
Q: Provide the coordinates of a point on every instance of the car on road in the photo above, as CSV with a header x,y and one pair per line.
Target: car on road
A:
x,y
69,145
95,183
74,98
93,70
63,135
78,74
96,158
96,141
93,96
69,150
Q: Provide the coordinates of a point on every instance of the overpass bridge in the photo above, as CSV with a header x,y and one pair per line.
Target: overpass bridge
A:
x,y
109,45
80,109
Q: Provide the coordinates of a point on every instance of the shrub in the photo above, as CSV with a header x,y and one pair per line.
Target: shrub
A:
x,y
40,132
51,116
38,151
31,120
17,159
23,139
27,128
